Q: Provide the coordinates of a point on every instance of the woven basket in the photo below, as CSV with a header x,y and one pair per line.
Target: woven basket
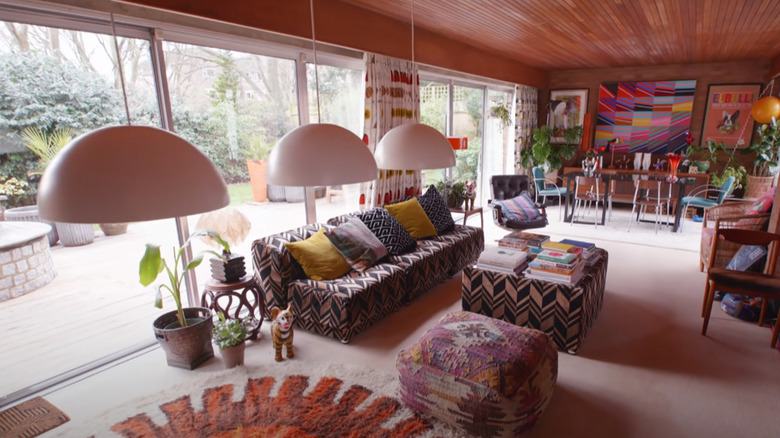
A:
x,y
186,347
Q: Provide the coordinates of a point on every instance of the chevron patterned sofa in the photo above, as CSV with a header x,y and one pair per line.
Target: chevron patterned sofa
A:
x,y
346,306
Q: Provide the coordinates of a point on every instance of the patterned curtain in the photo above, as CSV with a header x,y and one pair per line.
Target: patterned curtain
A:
x,y
526,109
392,99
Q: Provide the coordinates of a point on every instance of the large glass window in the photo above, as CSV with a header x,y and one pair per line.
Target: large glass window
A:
x,y
58,84
468,111
434,110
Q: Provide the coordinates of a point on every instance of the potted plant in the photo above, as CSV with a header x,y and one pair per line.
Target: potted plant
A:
x,y
765,161
184,334
704,156
455,192
501,112
548,155
257,151
229,335
46,145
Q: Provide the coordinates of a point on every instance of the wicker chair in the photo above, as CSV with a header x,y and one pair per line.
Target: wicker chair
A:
x,y
727,215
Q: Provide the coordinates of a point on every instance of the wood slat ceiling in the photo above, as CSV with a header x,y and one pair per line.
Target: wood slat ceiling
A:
x,y
582,34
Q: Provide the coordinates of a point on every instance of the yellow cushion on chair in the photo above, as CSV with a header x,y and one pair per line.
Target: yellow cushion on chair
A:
x,y
412,216
318,257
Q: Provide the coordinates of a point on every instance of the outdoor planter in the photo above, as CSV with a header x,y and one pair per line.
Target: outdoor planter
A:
x,y
256,169
113,229
30,214
75,234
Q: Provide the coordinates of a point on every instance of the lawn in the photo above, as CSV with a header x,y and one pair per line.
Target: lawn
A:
x,y
240,193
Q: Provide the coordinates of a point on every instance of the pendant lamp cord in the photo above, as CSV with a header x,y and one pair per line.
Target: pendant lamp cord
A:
x,y
414,65
316,72
119,66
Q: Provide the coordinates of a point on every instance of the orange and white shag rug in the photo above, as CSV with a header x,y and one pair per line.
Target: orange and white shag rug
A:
x,y
286,400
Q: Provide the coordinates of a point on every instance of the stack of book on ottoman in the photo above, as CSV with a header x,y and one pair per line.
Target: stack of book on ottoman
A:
x,y
557,262
524,240
502,259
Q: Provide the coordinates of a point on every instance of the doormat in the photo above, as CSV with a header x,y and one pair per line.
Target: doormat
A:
x,y
30,418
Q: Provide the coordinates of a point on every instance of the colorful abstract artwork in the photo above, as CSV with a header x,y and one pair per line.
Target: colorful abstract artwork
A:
x,y
648,116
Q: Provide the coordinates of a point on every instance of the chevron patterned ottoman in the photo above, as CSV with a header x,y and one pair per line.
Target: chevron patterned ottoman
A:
x,y
486,376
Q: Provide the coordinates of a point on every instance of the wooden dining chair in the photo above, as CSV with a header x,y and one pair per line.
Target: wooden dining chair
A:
x,y
762,284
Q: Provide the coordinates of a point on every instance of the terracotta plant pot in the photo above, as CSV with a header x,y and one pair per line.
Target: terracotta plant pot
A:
x,y
233,356
186,347
113,229
257,180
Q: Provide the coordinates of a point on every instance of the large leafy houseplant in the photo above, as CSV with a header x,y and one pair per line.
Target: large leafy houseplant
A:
x,y
152,264
765,148
548,155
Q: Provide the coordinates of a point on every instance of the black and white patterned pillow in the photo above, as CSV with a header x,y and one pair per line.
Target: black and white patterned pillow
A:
x,y
436,209
388,230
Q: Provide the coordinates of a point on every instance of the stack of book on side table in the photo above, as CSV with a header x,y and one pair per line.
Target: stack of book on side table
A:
x,y
557,262
502,259
524,241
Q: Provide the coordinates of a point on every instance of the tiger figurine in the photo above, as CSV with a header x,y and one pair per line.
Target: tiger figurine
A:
x,y
282,331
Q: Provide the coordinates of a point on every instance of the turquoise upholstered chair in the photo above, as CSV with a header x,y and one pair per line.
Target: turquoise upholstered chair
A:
x,y
698,197
545,187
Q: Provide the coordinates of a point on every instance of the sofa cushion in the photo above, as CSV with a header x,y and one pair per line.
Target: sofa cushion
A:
x,y
389,231
436,209
319,259
360,248
413,218
519,208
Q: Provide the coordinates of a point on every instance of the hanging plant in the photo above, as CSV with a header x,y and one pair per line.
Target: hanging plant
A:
x,y
501,112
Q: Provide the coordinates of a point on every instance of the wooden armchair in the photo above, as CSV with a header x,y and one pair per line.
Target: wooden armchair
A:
x,y
727,215
764,284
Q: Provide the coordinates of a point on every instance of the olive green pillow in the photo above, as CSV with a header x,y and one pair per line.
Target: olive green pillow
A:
x,y
412,216
318,257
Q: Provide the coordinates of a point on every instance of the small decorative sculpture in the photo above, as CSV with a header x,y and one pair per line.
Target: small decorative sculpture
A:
x,y
471,194
282,331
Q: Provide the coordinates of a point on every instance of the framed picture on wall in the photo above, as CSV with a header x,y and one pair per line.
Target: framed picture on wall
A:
x,y
566,109
727,117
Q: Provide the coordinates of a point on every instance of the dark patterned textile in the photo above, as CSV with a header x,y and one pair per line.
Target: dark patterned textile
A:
x,y
486,376
564,312
389,231
344,307
436,209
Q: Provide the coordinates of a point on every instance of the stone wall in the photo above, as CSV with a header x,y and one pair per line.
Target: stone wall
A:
x,y
25,268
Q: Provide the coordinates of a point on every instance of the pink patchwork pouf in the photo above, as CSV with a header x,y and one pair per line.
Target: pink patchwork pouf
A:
x,y
486,376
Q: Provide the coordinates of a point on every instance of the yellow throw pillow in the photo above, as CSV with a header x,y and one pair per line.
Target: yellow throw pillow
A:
x,y
412,216
318,257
